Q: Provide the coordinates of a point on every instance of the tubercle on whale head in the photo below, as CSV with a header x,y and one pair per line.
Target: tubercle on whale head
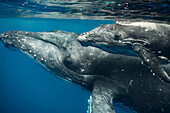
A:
x,y
4,38
3,35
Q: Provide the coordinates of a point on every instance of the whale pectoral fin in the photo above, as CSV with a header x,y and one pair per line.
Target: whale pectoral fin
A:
x,y
102,96
104,90
151,60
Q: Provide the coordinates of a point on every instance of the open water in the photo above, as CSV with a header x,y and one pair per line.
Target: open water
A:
x,y
26,87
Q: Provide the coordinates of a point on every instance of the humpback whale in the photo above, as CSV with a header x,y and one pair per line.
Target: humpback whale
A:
x,y
108,76
149,41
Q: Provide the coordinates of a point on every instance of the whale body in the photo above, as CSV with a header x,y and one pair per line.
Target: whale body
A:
x,y
149,41
108,76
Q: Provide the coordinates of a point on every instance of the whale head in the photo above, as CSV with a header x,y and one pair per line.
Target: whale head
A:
x,y
50,49
103,34
107,38
44,47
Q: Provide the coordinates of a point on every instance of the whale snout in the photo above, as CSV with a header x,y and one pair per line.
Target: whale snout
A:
x,y
82,38
3,35
84,41
9,39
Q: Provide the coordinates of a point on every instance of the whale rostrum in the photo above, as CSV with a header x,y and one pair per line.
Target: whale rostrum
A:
x,y
143,39
112,78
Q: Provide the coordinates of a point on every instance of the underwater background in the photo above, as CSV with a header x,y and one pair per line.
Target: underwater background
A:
x,y
25,86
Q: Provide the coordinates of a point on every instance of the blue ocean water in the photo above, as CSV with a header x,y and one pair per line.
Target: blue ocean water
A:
x,y
25,86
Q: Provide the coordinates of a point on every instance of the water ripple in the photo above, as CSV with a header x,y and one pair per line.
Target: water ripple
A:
x,y
87,9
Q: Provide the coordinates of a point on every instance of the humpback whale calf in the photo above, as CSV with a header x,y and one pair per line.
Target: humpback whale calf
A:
x,y
108,76
150,41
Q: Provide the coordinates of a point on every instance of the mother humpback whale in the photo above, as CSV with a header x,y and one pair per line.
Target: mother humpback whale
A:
x,y
108,76
149,41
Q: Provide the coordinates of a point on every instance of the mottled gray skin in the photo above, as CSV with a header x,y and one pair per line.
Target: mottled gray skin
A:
x,y
143,39
108,76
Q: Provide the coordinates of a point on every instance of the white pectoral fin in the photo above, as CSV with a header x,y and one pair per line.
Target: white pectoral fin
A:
x,y
151,60
102,95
